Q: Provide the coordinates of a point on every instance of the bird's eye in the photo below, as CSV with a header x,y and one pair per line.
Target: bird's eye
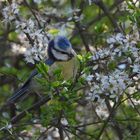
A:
x,y
71,55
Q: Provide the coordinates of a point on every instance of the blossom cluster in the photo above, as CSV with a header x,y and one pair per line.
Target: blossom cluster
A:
x,y
33,29
33,38
9,12
36,45
114,67
33,26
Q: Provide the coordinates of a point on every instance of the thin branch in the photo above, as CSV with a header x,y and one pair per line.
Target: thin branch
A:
x,y
33,107
115,124
106,122
98,18
80,29
60,128
105,9
26,3
129,97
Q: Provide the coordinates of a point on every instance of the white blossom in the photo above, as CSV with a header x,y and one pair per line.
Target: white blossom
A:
x,y
38,1
119,37
111,40
90,2
100,54
102,110
36,53
136,68
89,78
18,49
64,121
122,66
113,83
10,11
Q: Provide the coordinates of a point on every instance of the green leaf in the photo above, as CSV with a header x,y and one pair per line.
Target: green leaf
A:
x,y
13,35
57,72
56,84
42,68
112,65
8,71
53,31
80,57
136,96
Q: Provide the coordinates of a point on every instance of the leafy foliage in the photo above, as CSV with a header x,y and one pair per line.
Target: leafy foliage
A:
x,y
101,97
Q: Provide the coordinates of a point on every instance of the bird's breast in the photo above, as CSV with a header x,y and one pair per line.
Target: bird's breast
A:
x,y
68,68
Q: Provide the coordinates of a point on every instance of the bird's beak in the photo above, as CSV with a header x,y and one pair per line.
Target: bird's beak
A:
x,y
73,53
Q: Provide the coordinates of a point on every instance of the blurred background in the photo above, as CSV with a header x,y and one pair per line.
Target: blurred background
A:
x,y
26,27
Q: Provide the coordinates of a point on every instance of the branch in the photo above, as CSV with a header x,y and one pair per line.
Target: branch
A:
x,y
80,29
107,121
115,124
99,17
33,107
33,13
105,9
60,128
129,97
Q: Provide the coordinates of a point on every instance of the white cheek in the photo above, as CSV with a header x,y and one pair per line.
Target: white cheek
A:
x,y
60,56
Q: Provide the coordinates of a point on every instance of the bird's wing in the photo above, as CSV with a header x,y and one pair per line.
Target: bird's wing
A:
x,y
24,89
17,95
33,73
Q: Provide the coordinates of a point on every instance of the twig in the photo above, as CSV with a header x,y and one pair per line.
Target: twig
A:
x,y
129,97
115,106
34,107
105,9
26,3
106,122
80,29
100,120
115,124
43,133
74,133
98,18
60,128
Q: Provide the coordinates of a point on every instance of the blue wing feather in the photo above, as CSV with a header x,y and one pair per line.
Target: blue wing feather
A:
x,y
18,95
25,87
23,90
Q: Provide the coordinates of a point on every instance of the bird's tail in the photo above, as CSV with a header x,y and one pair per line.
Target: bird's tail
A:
x,y
17,95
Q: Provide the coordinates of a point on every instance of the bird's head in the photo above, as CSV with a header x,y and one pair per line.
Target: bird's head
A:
x,y
60,49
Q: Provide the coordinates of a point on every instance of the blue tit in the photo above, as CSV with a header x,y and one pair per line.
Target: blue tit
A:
x,y
59,49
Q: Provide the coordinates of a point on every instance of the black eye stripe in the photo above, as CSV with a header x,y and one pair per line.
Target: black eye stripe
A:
x,y
60,51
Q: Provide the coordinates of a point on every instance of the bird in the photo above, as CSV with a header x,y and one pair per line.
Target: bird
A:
x,y
59,49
